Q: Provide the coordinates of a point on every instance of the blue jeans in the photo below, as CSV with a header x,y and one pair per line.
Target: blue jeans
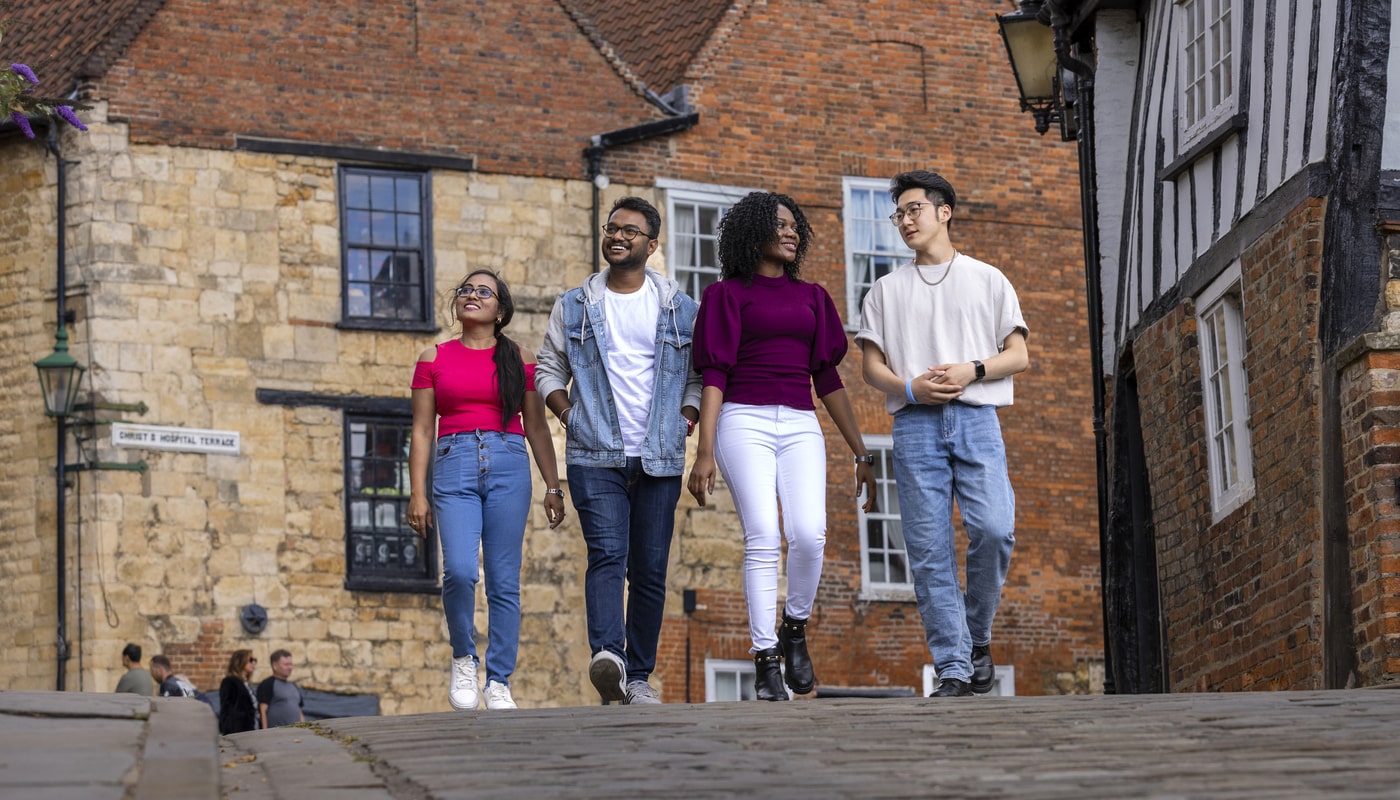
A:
x,y
481,497
627,518
942,452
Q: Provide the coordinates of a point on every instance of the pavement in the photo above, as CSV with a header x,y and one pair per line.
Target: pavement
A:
x,y
1277,745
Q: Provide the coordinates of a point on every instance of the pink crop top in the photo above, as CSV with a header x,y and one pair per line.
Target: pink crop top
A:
x,y
464,386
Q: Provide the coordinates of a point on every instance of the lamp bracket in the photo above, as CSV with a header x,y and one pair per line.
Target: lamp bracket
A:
x,y
139,407
92,466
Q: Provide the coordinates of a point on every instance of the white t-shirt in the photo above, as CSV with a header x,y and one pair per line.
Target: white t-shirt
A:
x,y
632,360
964,318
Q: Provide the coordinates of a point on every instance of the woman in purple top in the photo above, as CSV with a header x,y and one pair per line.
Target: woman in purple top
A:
x,y
763,339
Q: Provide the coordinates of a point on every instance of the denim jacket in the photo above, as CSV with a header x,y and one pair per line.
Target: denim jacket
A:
x,y
575,349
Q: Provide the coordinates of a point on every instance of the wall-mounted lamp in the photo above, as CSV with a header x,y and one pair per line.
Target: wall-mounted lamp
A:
x,y
1037,43
59,374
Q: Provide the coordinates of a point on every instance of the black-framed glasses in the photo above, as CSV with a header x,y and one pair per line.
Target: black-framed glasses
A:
x,y
911,211
482,292
628,232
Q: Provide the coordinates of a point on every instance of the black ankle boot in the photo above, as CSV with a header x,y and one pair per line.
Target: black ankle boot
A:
x,y
792,640
768,672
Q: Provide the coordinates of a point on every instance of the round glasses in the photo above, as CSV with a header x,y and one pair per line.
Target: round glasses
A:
x,y
628,232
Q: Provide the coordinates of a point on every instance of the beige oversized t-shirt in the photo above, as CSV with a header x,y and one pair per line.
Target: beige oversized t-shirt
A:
x,y
965,317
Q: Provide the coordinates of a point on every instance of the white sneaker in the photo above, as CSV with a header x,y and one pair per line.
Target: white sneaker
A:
x,y
640,693
607,672
498,695
463,693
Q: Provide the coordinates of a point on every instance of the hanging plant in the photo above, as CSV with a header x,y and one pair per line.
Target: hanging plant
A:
x,y
19,99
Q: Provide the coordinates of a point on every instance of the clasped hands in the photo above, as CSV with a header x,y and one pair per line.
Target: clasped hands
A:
x,y
942,383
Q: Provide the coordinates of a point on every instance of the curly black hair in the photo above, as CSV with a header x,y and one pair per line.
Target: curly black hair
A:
x,y
510,367
753,223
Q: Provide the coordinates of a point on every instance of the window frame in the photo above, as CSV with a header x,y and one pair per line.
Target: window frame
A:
x,y
690,192
900,254
744,673
383,581
1222,114
426,320
882,447
1225,297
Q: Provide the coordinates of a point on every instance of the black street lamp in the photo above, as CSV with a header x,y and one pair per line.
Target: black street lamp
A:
x,y
59,374
1030,45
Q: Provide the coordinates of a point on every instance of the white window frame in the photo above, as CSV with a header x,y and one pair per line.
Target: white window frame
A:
x,y
742,673
1208,65
1003,685
886,508
1227,429
691,193
889,244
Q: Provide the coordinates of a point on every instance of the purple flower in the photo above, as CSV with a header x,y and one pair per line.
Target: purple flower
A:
x,y
25,72
67,113
23,123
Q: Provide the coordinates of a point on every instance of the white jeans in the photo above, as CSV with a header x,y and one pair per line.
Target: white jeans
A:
x,y
767,455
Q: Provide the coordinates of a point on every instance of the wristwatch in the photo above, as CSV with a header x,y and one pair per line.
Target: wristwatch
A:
x,y
981,370
559,492
868,458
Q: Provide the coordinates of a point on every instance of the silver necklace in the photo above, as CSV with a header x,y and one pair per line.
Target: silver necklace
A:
x,y
946,270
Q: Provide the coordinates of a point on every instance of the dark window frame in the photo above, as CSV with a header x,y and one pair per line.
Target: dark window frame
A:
x,y
425,320
425,581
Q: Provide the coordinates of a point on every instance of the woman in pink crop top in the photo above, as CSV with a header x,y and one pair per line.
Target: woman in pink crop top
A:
x,y
763,339
478,392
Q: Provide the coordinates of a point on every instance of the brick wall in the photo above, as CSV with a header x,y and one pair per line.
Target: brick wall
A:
x,y
1370,391
1241,597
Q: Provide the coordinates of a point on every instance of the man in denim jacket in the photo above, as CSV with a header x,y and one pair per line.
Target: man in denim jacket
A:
x,y
623,339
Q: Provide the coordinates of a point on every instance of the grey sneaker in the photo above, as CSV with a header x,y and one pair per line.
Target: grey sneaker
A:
x,y
607,672
640,693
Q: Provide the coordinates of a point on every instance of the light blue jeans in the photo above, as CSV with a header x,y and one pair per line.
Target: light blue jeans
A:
x,y
942,452
481,497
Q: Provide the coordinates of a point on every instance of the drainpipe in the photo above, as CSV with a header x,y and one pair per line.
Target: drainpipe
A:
x,y
1060,22
599,144
60,469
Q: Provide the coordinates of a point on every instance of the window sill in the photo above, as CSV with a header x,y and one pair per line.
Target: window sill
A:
x,y
386,583
887,594
1204,144
394,325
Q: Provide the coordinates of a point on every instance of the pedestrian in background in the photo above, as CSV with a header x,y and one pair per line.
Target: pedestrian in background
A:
x,y
169,684
136,680
615,369
279,700
763,340
238,708
474,407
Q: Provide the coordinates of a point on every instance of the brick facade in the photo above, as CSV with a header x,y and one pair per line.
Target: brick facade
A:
x,y
203,274
1241,598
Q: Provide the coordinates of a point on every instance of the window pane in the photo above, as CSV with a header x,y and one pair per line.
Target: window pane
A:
x,y
357,227
357,191
408,230
379,541
381,193
357,264
382,229
407,194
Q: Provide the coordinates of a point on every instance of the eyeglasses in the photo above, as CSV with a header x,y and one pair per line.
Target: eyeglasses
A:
x,y
628,232
911,211
252,661
482,292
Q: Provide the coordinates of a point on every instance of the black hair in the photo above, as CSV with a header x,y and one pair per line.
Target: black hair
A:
x,y
510,367
161,661
935,186
642,207
751,224
133,653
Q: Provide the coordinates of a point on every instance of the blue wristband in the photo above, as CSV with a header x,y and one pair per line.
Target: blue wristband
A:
x,y
909,392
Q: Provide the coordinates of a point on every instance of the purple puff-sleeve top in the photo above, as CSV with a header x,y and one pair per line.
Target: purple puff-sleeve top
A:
x,y
769,342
